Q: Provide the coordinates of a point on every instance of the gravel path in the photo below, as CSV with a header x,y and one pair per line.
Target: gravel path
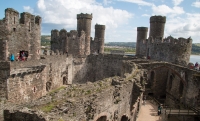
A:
x,y
148,112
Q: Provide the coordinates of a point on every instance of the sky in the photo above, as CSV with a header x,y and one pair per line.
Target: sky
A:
x,y
121,17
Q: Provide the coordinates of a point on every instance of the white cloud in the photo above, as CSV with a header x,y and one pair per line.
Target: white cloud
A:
x,y
41,5
63,14
139,2
106,2
177,2
146,15
28,9
166,10
184,26
196,4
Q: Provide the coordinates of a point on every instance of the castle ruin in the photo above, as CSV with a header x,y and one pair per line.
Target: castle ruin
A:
x,y
71,83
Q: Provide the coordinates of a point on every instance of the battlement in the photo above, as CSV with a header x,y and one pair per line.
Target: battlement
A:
x,y
82,15
11,10
157,19
63,30
98,26
54,31
38,20
12,17
26,17
142,28
63,33
172,40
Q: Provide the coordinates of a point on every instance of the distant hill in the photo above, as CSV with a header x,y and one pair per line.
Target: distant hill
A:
x,y
122,44
45,40
195,46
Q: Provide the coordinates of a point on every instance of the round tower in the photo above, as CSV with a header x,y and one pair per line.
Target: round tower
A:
x,y
100,34
63,40
157,26
141,41
84,23
54,40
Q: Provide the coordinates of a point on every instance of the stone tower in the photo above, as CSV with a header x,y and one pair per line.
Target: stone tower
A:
x,y
141,41
84,23
22,33
157,26
55,44
99,35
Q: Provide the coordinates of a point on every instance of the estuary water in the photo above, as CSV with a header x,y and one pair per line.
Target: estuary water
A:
x,y
194,58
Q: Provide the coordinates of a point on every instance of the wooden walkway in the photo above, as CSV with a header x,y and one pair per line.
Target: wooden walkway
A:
x,y
148,112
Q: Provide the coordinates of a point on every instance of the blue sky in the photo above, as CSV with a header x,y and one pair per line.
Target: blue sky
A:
x,y
121,17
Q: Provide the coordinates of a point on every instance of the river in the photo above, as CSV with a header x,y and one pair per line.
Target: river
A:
x,y
195,58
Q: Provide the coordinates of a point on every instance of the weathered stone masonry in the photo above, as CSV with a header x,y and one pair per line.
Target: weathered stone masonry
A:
x,y
21,33
69,84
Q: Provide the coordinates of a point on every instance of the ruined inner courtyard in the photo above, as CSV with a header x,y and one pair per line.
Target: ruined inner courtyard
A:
x,y
76,81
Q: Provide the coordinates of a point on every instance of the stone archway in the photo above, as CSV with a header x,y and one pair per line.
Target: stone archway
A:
x,y
102,118
172,70
124,118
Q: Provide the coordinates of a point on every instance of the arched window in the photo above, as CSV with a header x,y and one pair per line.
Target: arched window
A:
x,y
124,118
102,118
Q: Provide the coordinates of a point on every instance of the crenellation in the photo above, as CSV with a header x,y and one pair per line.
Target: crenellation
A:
x,y
38,20
158,19
84,16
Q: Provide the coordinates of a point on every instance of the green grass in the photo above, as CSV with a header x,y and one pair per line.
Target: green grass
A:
x,y
125,49
56,90
48,107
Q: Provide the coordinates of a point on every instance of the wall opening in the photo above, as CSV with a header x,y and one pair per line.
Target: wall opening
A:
x,y
29,27
14,20
14,29
152,78
148,52
181,88
170,82
34,89
124,118
102,118
48,86
23,55
64,80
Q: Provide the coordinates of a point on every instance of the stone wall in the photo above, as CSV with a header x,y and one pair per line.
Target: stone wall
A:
x,y
30,80
70,43
4,74
21,33
85,102
158,80
97,67
26,84
172,50
4,50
